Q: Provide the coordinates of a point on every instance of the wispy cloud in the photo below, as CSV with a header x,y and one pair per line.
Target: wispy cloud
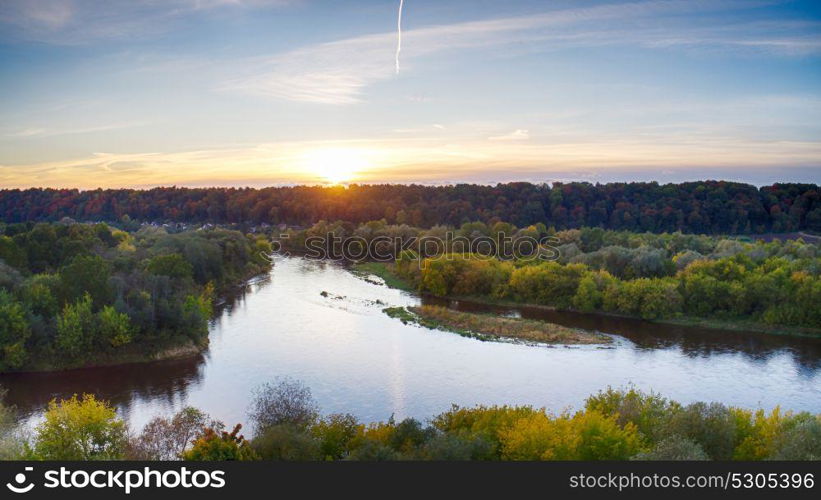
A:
x,y
72,22
26,132
517,135
38,132
338,72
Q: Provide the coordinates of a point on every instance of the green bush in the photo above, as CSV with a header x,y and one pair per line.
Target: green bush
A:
x,y
674,448
286,442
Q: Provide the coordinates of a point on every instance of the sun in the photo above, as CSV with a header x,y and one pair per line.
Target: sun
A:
x,y
335,165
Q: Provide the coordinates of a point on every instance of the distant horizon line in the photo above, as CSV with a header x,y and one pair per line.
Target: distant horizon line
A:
x,y
346,185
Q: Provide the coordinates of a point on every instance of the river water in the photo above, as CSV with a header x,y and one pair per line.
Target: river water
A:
x,y
357,360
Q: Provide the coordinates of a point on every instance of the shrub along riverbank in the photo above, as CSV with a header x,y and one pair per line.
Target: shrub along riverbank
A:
x,y
384,270
88,294
287,425
771,287
490,327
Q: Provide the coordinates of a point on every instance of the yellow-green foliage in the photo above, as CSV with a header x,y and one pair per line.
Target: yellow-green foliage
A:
x,y
335,434
261,249
486,422
221,446
125,242
380,432
644,275
80,429
613,425
586,435
759,434
463,274
547,283
539,437
649,412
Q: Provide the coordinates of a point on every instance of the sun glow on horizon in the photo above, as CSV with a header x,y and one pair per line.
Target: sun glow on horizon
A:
x,y
336,165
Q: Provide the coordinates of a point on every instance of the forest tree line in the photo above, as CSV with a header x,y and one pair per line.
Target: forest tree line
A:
x,y
287,425
76,293
707,207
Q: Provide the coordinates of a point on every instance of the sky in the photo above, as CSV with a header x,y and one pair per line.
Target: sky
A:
x,y
143,93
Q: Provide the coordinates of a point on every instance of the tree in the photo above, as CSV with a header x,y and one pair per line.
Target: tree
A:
x,y
12,254
685,258
659,298
335,433
548,283
214,445
286,442
75,328
601,437
167,439
286,401
648,412
196,311
451,447
113,327
674,448
711,425
38,295
587,435
86,275
485,422
539,437
588,297
80,429
801,442
409,435
10,278
374,451
172,265
14,330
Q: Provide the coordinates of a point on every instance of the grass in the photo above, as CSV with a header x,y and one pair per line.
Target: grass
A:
x,y
402,314
383,270
490,327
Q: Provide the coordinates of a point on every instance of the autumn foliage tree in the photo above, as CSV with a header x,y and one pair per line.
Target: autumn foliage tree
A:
x,y
80,429
214,445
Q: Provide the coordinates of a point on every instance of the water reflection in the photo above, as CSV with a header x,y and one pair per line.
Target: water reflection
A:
x,y
165,382
692,341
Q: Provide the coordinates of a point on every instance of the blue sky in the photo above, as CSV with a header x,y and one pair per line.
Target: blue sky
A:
x,y
140,93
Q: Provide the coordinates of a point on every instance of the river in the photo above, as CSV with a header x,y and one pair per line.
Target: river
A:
x,y
357,360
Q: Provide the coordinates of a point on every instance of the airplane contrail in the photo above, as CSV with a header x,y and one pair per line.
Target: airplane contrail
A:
x,y
399,35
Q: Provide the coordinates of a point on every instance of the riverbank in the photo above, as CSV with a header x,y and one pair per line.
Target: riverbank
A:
x,y
116,296
181,347
491,327
386,272
136,354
